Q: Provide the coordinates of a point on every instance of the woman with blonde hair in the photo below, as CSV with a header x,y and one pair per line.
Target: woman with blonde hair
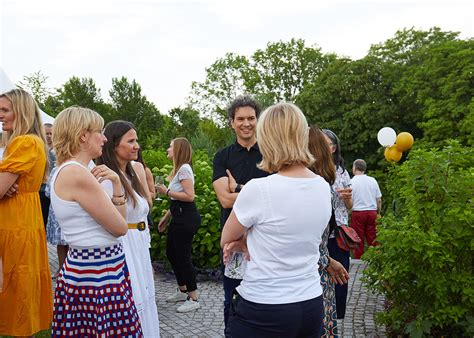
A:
x,y
185,221
25,280
279,220
93,294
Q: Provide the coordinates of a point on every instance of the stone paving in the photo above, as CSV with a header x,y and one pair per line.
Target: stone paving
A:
x,y
208,321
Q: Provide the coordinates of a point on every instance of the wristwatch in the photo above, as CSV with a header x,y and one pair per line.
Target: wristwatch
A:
x,y
238,187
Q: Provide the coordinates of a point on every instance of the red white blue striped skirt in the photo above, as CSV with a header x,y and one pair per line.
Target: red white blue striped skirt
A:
x,y
93,296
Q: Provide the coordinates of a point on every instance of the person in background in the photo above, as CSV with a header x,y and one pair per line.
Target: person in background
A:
x,y
342,203
367,205
330,270
185,221
233,167
53,230
25,280
119,154
93,296
279,221
45,201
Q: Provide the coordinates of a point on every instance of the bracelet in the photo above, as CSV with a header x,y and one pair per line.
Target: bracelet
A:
x,y
119,203
118,196
168,192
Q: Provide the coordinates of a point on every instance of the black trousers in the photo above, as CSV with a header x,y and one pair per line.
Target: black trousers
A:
x,y
342,257
184,224
301,319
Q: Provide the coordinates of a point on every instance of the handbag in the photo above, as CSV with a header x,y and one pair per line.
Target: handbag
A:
x,y
347,238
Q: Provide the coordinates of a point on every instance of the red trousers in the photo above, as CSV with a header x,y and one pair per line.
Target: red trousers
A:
x,y
363,222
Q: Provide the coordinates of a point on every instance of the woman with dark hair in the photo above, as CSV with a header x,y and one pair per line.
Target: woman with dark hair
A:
x,y
342,203
185,221
25,280
330,270
119,154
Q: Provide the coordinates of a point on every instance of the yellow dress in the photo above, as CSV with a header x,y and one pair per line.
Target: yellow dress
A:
x,y
26,303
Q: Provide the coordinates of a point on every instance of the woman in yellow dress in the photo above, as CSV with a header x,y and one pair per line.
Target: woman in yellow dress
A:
x,y
25,280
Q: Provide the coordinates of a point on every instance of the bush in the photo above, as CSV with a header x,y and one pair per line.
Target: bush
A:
x,y
206,244
424,262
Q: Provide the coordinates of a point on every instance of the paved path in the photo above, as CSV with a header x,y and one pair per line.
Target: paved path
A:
x,y
208,321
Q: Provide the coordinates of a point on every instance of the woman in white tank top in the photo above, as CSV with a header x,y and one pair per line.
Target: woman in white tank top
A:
x,y
93,293
119,154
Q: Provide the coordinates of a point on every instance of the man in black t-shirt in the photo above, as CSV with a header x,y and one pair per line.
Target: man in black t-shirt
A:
x,y
233,167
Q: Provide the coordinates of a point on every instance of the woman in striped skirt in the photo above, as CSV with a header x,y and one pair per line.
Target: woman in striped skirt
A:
x,y
93,295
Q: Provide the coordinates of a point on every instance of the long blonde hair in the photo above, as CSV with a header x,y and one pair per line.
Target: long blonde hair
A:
x,y
182,154
27,120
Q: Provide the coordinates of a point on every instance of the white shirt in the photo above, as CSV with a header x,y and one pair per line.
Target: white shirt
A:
x,y
78,227
286,218
185,172
365,191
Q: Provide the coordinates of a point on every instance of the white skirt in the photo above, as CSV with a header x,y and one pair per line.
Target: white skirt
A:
x,y
137,255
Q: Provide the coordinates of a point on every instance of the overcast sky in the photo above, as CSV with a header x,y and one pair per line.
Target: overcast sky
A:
x,y
166,44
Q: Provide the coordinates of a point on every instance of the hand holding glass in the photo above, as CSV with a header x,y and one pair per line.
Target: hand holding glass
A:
x,y
159,180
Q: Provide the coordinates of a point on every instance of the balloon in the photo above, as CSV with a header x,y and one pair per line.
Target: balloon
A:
x,y
392,154
386,136
404,141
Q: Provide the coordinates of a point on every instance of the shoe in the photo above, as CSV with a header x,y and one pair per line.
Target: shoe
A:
x,y
189,305
178,296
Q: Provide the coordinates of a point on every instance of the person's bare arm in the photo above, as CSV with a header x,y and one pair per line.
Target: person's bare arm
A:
x,y
185,196
379,205
225,197
74,183
6,181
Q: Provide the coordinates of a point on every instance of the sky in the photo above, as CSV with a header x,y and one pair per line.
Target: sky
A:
x,y
165,45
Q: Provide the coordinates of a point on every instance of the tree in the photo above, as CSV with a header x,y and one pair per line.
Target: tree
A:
x,y
129,104
36,84
278,72
224,81
81,92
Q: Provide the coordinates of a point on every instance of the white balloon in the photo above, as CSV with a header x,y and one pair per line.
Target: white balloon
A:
x,y
386,136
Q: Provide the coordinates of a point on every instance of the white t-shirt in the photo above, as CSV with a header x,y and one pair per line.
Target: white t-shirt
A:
x,y
286,218
185,172
365,191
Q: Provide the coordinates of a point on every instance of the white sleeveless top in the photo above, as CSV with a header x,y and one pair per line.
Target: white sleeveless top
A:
x,y
78,227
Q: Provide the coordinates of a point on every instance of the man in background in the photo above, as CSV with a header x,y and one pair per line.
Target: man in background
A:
x,y
45,201
233,167
367,205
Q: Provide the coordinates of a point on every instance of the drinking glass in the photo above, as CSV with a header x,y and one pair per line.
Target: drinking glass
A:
x,y
159,180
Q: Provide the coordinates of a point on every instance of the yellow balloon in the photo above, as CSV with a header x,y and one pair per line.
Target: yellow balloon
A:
x,y
392,154
404,141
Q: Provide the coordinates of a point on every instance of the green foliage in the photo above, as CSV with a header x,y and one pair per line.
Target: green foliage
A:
x,y
424,262
206,244
278,72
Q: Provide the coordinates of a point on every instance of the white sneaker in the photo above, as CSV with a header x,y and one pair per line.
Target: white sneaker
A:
x,y
189,305
178,296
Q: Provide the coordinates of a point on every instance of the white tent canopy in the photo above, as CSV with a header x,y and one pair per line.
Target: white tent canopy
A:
x,y
6,85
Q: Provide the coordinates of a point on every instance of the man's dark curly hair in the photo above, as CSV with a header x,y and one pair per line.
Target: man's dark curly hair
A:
x,y
243,101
